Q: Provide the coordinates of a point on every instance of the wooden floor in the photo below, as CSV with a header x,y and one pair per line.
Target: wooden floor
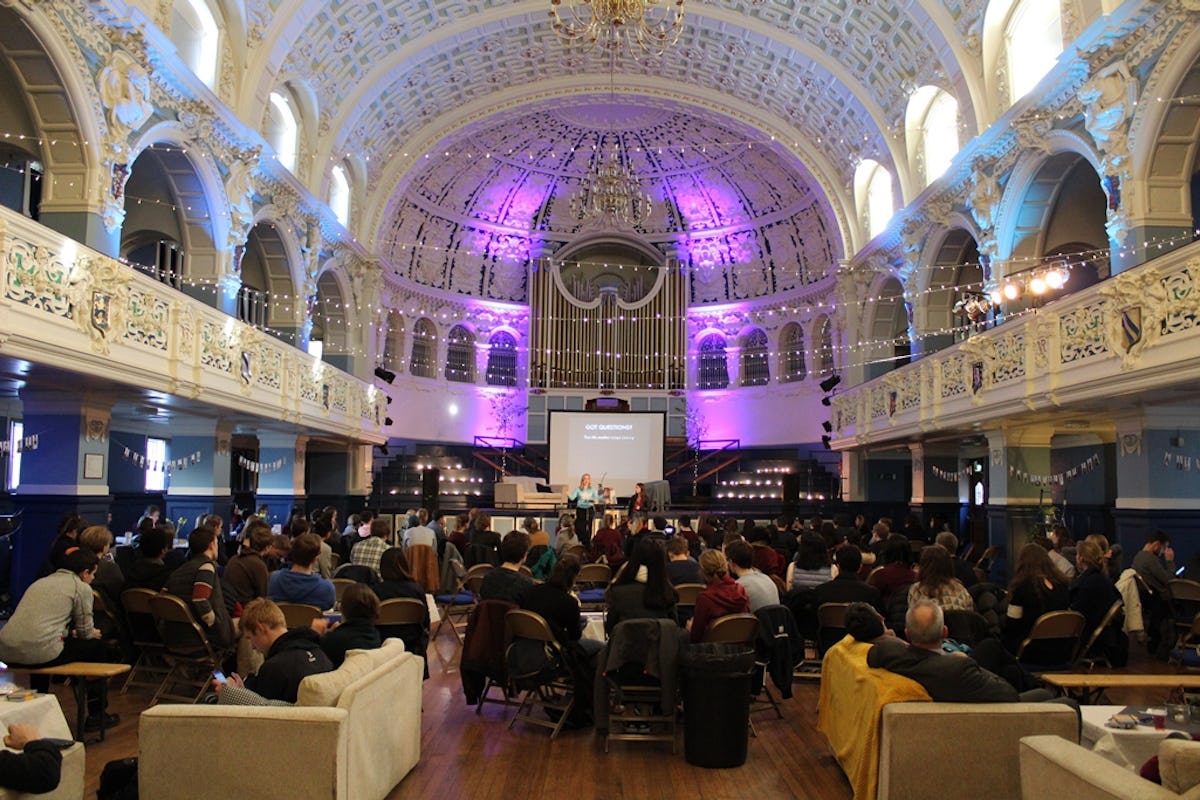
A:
x,y
464,755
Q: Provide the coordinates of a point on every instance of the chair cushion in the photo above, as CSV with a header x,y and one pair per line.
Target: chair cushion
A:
x,y
591,596
325,689
544,488
460,599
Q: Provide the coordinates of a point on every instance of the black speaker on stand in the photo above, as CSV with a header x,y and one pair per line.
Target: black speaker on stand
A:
x,y
431,487
791,494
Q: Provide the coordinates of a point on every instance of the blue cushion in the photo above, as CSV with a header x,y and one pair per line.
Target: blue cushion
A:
x,y
460,599
591,596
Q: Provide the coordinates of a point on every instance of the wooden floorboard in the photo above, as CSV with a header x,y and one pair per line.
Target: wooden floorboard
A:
x,y
464,755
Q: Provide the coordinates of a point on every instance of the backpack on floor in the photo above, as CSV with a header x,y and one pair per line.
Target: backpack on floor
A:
x,y
119,780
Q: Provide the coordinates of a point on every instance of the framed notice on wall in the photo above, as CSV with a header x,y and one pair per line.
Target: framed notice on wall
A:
x,y
93,465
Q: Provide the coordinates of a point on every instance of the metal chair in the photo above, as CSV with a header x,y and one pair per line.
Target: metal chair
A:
x,y
1184,597
831,625
1053,639
407,619
151,667
550,686
299,615
1091,660
191,655
686,607
455,607
592,581
340,585
732,629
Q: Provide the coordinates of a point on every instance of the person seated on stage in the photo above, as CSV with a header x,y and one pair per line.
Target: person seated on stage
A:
x,y
300,583
641,589
291,655
507,582
565,537
53,625
760,589
35,767
246,574
681,567
607,543
722,595
356,631
148,571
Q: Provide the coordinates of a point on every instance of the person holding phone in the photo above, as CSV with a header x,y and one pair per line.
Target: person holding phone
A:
x,y
291,656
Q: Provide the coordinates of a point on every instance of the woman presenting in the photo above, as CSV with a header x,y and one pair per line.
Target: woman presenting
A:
x,y
584,497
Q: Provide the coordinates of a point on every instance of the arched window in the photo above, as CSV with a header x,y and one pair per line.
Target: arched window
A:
x,y
460,355
756,369
714,371
283,130
195,35
422,362
1033,41
932,118
791,348
339,194
824,354
873,190
502,360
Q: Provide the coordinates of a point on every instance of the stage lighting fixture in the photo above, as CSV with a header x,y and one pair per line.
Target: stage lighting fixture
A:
x,y
389,399
387,420
830,382
825,442
827,426
824,401
383,449
385,374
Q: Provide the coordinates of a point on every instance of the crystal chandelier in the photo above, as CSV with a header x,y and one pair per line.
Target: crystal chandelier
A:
x,y
611,194
643,27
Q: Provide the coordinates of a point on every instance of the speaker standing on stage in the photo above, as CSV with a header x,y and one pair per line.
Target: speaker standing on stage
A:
x,y
584,497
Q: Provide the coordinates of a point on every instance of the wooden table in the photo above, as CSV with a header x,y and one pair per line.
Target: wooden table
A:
x,y
85,672
1088,687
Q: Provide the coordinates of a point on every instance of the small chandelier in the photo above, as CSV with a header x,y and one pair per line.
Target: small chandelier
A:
x,y
644,27
611,194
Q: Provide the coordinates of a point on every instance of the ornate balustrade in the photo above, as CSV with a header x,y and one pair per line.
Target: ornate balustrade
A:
x,y
1131,336
70,307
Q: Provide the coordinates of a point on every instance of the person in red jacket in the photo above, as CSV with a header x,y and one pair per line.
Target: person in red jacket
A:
x,y
723,595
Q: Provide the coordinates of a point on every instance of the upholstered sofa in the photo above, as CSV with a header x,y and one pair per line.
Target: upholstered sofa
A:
x,y
353,735
1053,768
70,782
894,743
520,492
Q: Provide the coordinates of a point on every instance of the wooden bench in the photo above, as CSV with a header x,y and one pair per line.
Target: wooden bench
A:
x,y
1089,687
85,672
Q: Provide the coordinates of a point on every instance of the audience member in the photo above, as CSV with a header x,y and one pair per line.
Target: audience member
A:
x,y
507,582
1061,553
936,582
370,548
607,542
962,570
1155,562
31,764
641,589
395,577
246,574
109,581
847,587
356,631
300,583
148,570
1092,594
555,603
291,655
323,529
541,558
766,559
484,546
681,567
1037,587
564,537
195,582
811,566
420,533
760,589
895,574
722,595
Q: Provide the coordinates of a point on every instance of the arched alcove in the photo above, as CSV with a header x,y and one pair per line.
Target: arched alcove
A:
x,y
887,346
268,297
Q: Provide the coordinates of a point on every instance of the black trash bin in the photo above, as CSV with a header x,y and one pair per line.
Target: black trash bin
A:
x,y
716,704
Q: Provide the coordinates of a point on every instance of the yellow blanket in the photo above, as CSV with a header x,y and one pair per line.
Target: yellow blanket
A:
x,y
852,699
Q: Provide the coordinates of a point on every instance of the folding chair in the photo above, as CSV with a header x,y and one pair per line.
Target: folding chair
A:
x,y
686,607
340,585
637,711
549,684
299,615
737,629
455,607
192,656
1184,598
151,667
593,580
1052,642
831,625
405,618
1085,656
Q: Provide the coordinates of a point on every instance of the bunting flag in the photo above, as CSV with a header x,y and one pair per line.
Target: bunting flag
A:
x,y
140,461
952,477
29,442
261,467
1056,478
1181,462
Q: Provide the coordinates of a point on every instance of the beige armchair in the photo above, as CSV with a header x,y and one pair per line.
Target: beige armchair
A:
x,y
1054,769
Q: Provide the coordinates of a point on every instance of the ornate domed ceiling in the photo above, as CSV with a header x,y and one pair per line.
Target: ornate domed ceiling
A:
x,y
743,217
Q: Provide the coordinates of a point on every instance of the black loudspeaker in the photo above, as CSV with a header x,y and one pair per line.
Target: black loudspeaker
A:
x,y
791,494
430,487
